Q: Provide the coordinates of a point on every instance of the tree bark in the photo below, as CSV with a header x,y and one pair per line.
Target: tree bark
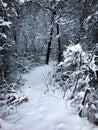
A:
x,y
49,46
59,46
51,31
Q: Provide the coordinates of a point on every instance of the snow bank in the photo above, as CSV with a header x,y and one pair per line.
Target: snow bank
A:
x,y
75,48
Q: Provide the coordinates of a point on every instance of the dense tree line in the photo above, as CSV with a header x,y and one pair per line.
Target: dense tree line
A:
x,y
37,31
8,68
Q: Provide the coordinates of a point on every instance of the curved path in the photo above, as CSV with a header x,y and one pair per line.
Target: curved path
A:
x,y
44,111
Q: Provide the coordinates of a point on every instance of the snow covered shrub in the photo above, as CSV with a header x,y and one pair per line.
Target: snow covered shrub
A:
x,y
10,98
77,77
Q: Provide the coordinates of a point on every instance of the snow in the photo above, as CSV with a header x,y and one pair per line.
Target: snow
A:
x,y
88,18
96,115
43,111
22,1
96,12
81,94
3,35
57,0
92,64
5,23
3,3
61,63
75,48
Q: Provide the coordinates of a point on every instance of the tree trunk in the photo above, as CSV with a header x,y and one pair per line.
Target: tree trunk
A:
x,y
49,46
59,46
53,2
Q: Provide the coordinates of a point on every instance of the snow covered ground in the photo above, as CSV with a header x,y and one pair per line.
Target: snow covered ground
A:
x,y
43,111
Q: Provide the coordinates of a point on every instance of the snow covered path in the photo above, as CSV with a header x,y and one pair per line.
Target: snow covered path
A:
x,y
44,111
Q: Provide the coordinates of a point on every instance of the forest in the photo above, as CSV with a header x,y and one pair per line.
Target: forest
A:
x,y
48,64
